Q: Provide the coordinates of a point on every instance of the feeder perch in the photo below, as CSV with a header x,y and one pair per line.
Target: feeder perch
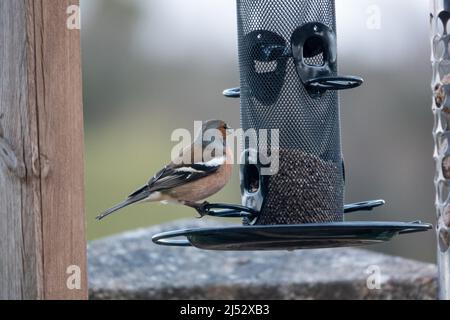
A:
x,y
290,83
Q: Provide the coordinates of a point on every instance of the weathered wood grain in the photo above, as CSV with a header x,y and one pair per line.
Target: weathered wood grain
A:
x,y
42,225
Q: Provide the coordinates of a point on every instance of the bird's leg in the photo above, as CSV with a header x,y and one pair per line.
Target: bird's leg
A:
x,y
201,208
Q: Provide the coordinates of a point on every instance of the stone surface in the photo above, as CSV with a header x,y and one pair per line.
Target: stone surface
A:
x,y
130,266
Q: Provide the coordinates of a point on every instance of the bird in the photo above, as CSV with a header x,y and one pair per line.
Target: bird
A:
x,y
189,183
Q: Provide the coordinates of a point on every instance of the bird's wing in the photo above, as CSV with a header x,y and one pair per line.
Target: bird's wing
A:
x,y
176,175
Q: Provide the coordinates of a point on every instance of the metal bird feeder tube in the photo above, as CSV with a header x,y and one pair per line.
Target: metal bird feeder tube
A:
x,y
440,36
290,82
288,62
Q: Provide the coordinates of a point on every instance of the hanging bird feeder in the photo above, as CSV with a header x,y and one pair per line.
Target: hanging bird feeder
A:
x,y
290,83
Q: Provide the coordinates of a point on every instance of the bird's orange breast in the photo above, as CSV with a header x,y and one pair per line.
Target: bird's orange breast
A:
x,y
206,187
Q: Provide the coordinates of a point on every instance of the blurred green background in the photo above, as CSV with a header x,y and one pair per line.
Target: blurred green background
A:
x,y
151,66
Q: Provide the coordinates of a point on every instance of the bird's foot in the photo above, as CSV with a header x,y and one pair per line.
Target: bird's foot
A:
x,y
203,209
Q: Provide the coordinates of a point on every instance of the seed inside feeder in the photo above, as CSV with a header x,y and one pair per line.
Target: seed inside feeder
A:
x,y
446,167
306,189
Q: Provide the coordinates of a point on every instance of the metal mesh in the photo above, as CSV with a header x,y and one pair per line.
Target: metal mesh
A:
x,y
310,184
315,60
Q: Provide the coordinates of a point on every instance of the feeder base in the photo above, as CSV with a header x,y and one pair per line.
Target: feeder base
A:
x,y
292,237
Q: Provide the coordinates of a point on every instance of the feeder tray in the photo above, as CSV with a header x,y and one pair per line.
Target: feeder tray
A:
x,y
288,237
290,83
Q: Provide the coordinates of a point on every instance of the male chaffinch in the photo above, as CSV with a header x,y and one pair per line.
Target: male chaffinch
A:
x,y
189,183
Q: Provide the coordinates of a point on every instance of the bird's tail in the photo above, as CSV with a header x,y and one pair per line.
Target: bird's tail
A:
x,y
138,196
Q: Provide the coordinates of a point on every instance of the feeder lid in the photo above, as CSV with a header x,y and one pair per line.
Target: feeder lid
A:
x,y
289,237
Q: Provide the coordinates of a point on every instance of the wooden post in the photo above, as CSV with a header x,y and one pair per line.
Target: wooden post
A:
x,y
42,223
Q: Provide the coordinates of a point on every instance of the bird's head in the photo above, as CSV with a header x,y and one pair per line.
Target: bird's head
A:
x,y
216,125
